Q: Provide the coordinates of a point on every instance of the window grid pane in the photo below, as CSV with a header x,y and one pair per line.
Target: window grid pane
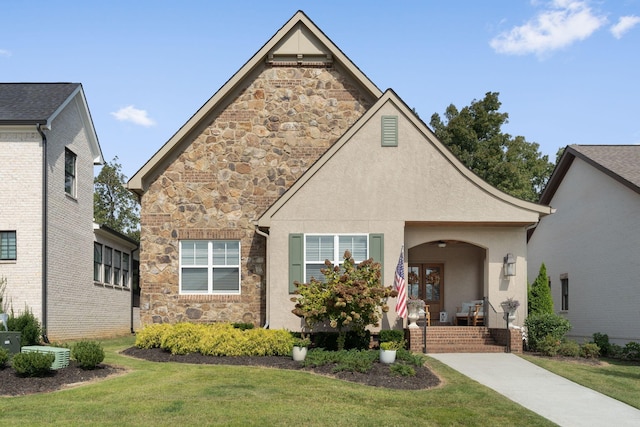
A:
x,y
8,245
211,267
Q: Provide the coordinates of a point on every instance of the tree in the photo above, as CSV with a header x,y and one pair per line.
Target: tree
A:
x,y
540,298
114,205
474,135
349,297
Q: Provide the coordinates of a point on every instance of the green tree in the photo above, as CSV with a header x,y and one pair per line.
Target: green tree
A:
x,y
540,298
348,298
114,205
509,163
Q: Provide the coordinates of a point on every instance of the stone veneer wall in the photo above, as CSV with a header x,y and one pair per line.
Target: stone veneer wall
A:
x,y
283,120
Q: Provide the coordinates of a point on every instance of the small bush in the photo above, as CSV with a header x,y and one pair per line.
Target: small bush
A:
x,y
590,350
616,351
243,326
402,370
631,351
4,358
549,346
569,349
151,335
414,359
539,326
353,340
391,335
602,341
27,325
183,338
33,364
88,354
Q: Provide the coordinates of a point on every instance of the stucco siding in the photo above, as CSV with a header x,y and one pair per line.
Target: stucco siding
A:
x,y
21,211
593,239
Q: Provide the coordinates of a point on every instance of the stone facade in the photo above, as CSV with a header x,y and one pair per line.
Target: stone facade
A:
x,y
255,147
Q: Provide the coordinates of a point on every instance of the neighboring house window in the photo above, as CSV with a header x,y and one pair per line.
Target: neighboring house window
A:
x,y
69,172
97,262
210,266
107,263
125,270
117,266
8,247
319,248
564,285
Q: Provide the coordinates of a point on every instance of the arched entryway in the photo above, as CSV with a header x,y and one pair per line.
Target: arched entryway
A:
x,y
446,273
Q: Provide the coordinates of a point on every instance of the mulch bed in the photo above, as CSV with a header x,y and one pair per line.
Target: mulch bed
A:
x,y
379,376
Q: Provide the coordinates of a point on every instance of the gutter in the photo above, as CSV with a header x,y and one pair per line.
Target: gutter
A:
x,y
267,273
131,289
45,232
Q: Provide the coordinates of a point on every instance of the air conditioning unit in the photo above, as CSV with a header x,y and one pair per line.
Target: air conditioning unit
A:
x,y
62,354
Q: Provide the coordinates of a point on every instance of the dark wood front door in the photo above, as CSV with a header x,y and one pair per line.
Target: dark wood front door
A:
x,y
426,281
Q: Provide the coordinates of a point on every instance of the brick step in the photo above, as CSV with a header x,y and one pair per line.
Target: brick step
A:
x,y
459,348
461,339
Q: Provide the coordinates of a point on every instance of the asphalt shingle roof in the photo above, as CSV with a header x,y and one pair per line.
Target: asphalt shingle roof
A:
x,y
622,160
32,102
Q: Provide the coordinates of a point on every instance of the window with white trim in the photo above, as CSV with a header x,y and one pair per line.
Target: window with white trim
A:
x,y
125,270
70,172
97,262
210,267
321,247
107,254
8,246
117,264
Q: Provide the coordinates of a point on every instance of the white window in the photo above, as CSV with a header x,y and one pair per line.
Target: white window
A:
x,y
69,172
97,262
8,247
107,263
210,267
117,263
321,247
125,270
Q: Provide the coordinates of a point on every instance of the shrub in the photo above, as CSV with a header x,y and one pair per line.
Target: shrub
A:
x,y
391,335
549,346
182,338
353,340
27,325
243,326
569,349
602,341
151,335
540,300
411,358
616,351
402,370
4,358
222,339
590,350
88,354
631,351
33,364
539,326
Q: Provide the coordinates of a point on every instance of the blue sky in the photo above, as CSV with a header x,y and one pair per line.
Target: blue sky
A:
x,y
567,70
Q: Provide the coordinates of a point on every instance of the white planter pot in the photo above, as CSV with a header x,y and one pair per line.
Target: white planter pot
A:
x,y
299,353
387,356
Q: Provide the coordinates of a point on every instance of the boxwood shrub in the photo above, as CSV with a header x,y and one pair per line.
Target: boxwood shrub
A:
x,y
33,364
88,354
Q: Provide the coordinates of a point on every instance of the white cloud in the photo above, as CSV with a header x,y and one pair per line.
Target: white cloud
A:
x,y
4,52
133,115
624,24
560,24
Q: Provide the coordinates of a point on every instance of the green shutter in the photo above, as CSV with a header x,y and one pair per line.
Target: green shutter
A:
x,y
389,131
296,260
376,250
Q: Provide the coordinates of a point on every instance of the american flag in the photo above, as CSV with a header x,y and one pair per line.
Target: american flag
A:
x,y
400,285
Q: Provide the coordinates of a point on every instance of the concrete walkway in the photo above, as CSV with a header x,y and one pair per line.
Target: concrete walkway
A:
x,y
555,398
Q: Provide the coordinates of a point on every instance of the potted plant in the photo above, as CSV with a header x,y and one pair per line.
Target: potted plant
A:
x,y
510,306
388,350
300,346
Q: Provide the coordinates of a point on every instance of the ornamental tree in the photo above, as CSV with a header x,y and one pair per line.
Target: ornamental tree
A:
x,y
350,297
540,298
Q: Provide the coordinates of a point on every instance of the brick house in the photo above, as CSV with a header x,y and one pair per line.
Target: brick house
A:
x,y
296,158
48,150
590,246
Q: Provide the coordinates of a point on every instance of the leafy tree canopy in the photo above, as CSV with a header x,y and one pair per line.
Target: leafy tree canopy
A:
x,y
114,205
509,163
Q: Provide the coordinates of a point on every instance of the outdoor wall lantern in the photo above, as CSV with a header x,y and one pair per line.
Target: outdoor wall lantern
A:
x,y
509,265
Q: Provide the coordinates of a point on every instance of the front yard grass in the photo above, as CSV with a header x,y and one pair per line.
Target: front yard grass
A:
x,y
615,378
181,394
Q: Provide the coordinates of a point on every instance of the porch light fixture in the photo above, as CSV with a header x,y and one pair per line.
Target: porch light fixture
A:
x,y
442,244
509,265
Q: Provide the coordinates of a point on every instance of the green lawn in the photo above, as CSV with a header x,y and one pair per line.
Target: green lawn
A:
x,y
178,394
615,378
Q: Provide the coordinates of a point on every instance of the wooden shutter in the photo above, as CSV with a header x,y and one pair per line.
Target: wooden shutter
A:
x,y
389,131
296,260
376,250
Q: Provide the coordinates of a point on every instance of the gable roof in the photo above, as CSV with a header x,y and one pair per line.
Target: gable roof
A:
x,y
40,103
429,136
620,162
299,41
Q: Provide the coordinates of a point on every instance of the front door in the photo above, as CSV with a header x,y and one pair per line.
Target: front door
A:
x,y
426,281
